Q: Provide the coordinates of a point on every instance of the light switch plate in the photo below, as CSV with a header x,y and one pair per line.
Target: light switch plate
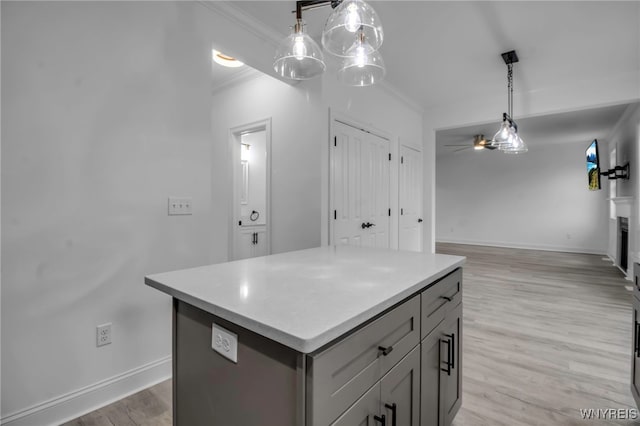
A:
x,y
180,206
224,342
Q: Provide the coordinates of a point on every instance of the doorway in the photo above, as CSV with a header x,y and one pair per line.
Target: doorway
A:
x,y
410,199
359,187
250,212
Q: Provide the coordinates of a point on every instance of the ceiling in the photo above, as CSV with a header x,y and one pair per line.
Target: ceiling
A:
x,y
576,126
447,52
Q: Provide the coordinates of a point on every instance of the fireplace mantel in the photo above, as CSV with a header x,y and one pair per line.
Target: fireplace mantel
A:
x,y
623,206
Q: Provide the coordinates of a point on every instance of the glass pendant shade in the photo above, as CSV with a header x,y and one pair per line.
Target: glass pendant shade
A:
x,y
502,136
516,145
364,65
345,21
299,57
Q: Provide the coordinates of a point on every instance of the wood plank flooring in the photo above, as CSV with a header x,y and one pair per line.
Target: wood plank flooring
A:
x,y
546,334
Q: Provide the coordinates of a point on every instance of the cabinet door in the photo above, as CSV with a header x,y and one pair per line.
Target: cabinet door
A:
x,y
341,373
635,363
451,380
400,392
364,411
252,242
431,349
260,246
245,245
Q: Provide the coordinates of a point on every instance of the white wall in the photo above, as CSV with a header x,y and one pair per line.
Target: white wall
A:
x,y
625,139
536,200
106,113
576,95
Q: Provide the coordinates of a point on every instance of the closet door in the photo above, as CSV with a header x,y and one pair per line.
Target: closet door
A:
x,y
410,191
359,187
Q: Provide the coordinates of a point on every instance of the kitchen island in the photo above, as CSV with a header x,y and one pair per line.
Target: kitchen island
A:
x,y
325,336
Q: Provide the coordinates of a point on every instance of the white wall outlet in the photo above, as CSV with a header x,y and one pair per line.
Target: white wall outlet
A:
x,y
224,342
103,334
180,206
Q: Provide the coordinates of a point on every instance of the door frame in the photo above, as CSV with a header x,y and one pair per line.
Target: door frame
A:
x,y
328,221
234,169
402,145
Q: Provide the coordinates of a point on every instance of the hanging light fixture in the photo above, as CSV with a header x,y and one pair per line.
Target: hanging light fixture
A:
x,y
345,25
507,138
298,56
352,32
363,65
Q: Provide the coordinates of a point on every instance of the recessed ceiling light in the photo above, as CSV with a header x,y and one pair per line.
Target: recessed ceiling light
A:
x,y
226,60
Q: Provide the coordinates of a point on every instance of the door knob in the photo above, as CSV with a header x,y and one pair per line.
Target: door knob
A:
x,y
419,220
367,225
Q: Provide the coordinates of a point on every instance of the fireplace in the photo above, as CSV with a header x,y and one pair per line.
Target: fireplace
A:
x,y
623,243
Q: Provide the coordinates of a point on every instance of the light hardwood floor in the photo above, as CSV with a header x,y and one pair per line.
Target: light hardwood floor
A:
x,y
545,335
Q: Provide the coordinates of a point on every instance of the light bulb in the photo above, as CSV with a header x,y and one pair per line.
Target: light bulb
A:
x,y
352,21
502,135
361,56
299,49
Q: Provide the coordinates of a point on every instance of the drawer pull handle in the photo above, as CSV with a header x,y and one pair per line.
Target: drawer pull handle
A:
x,y
448,299
382,419
385,351
636,349
393,407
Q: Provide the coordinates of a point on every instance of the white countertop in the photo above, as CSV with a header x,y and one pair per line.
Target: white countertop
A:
x,y
305,299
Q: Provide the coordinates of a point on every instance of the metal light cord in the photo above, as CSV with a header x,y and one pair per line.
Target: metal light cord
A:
x,y
510,89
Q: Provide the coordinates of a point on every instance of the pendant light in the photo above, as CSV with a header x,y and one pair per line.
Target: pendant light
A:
x,y
507,138
298,56
347,20
353,32
363,65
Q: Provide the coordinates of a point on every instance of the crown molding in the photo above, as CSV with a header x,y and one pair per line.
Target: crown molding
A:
x,y
240,77
239,17
387,87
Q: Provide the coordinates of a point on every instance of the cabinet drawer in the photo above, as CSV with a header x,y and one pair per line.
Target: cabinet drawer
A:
x,y
339,375
439,299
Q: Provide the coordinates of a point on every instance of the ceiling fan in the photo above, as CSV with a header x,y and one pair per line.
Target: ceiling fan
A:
x,y
479,142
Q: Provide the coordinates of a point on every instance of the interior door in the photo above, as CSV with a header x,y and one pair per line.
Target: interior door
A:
x,y
359,187
410,192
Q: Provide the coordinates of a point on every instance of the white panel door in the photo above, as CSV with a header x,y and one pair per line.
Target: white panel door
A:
x,y
410,191
359,188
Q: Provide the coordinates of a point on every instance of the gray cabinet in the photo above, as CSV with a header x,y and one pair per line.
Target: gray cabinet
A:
x,y
344,371
430,376
635,347
365,411
381,373
451,383
400,392
393,401
441,352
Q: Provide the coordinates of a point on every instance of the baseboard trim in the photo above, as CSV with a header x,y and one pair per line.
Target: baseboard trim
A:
x,y
523,246
82,401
